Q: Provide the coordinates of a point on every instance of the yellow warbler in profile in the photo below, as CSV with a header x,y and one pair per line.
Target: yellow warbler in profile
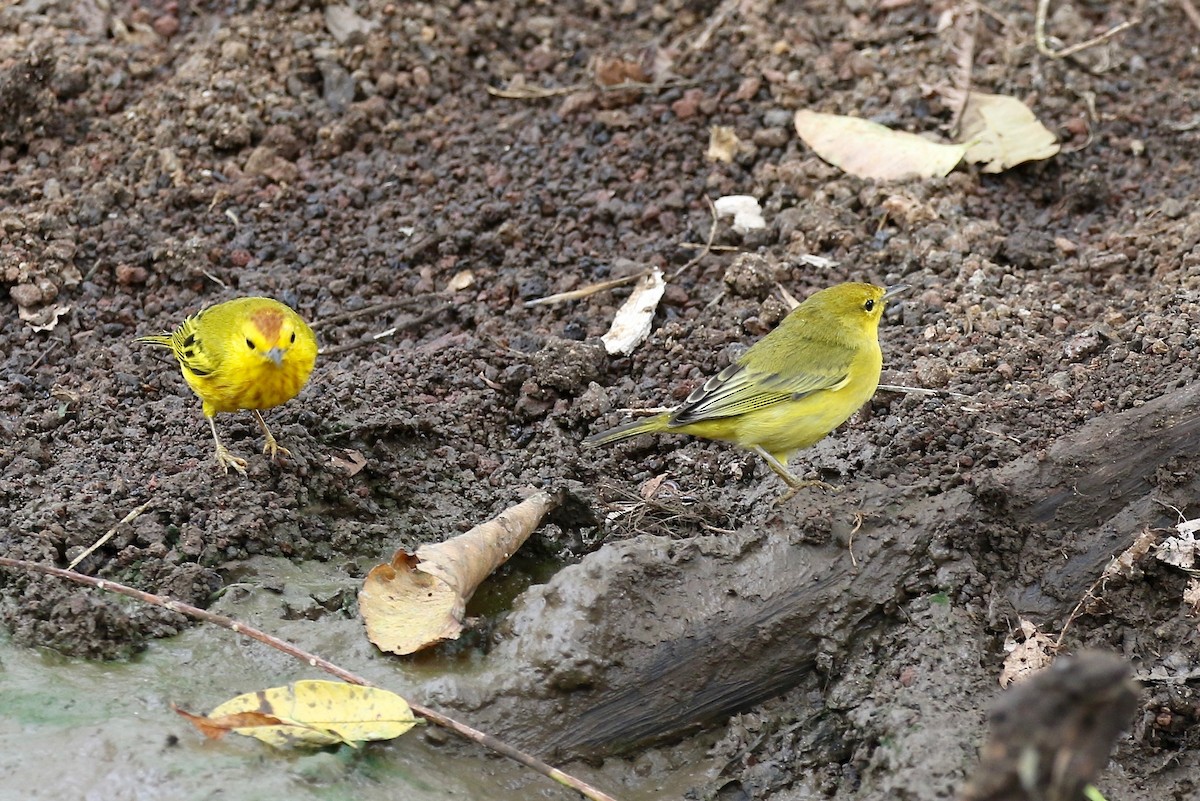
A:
x,y
248,353
792,387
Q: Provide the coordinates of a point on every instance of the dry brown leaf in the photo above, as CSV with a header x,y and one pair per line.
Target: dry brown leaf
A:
x,y
351,462
1001,132
216,727
1179,551
1126,563
636,315
722,143
1191,595
463,279
869,150
1027,657
42,318
420,599
907,210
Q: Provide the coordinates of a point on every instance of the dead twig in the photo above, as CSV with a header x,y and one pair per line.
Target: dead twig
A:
x,y
312,660
530,92
413,323
714,24
366,311
964,51
714,248
583,292
1190,12
54,343
1043,46
920,391
708,246
129,518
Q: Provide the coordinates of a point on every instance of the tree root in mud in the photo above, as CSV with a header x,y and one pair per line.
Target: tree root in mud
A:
x,y
603,660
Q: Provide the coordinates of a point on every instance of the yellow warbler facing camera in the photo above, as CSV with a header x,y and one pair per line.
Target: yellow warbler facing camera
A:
x,y
792,387
248,353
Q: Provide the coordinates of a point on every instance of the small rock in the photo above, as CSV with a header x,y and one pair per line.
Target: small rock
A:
x,y
166,26
26,295
750,276
129,274
234,51
687,106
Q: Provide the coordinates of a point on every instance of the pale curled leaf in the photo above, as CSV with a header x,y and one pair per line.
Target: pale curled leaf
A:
x,y
1179,551
43,318
1191,595
420,599
1126,563
463,279
1001,132
745,210
632,323
722,144
869,150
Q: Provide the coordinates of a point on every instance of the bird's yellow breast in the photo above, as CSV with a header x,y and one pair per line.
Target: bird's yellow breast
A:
x,y
255,383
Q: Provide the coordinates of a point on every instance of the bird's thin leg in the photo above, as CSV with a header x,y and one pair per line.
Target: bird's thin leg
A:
x,y
271,447
224,457
794,484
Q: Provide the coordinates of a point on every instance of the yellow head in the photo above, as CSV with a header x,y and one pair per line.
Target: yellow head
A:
x,y
268,334
858,307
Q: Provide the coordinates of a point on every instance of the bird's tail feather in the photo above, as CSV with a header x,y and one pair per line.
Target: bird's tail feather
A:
x,y
631,429
162,340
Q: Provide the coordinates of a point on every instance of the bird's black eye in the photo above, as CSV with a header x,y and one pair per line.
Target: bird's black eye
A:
x,y
249,343
869,305
293,337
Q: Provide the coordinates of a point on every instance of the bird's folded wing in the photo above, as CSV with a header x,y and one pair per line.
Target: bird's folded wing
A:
x,y
190,350
739,389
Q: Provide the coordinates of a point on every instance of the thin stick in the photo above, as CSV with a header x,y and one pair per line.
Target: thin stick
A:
x,y
54,343
714,23
965,55
414,322
539,92
129,518
583,292
1190,11
712,234
1039,34
920,391
377,308
715,248
312,660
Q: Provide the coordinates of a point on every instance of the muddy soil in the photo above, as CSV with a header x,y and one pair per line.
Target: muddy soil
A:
x,y
157,157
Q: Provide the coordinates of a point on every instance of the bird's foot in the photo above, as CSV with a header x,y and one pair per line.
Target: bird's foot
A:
x,y
228,460
273,449
796,485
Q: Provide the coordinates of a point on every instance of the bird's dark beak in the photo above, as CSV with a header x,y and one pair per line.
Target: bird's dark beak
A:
x,y
895,289
276,355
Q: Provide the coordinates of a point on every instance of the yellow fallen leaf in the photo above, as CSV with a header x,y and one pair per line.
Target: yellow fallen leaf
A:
x,y
870,150
1001,132
310,713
